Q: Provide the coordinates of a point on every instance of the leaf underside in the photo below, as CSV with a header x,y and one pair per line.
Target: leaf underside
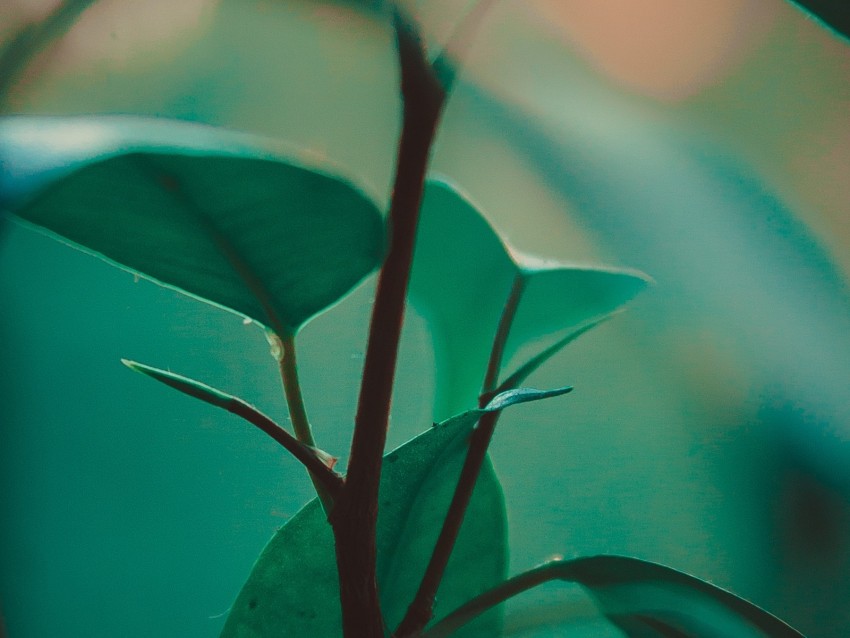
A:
x,y
209,212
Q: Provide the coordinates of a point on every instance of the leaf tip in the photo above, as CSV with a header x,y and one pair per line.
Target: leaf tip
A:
x,y
183,384
508,398
135,366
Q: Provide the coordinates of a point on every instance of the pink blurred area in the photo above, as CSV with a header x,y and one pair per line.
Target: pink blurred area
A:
x,y
758,76
664,49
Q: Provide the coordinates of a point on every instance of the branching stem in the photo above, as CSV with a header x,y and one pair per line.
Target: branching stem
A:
x,y
355,514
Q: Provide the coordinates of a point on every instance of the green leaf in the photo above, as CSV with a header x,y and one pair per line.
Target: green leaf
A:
x,y
293,590
462,275
213,213
644,599
521,395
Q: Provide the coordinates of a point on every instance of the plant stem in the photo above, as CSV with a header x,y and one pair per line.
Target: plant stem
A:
x,y
421,610
292,390
297,413
497,352
31,39
355,513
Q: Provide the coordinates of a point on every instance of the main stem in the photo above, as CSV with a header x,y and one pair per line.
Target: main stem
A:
x,y
354,518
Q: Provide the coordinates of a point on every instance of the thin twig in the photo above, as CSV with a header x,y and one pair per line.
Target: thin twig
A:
x,y
33,38
314,463
421,610
311,458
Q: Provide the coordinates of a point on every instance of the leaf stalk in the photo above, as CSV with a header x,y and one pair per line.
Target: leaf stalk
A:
x,y
297,412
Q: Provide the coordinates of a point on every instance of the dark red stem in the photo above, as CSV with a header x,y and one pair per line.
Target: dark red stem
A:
x,y
355,513
421,610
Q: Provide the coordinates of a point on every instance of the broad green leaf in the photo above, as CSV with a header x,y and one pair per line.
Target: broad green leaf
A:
x,y
462,276
644,599
644,594
213,213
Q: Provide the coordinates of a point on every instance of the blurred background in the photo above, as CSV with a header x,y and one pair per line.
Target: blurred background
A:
x,y
706,143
